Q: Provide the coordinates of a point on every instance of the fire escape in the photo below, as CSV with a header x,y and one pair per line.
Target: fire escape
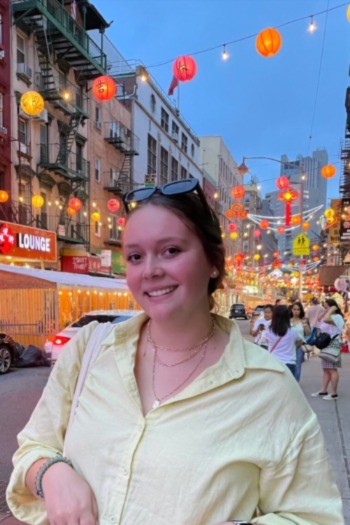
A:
x,y
62,44
344,184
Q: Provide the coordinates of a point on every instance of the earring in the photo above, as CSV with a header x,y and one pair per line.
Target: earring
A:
x,y
214,274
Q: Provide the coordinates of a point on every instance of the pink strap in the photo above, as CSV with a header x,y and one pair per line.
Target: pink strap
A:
x,y
274,346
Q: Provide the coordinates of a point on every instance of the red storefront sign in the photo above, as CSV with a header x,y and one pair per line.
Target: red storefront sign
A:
x,y
29,243
75,263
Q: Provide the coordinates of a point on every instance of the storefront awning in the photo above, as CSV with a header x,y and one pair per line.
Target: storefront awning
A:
x,y
61,279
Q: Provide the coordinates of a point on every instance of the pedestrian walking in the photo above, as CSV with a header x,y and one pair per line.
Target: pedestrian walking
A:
x,y
282,339
260,326
301,325
331,323
313,313
180,420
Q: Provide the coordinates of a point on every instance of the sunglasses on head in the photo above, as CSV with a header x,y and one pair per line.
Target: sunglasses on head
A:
x,y
178,187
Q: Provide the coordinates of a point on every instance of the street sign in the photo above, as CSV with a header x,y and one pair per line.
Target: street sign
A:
x,y
301,245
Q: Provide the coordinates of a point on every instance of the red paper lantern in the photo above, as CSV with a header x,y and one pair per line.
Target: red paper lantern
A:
x,y
264,224
232,227
121,221
104,88
276,254
281,230
238,192
328,171
282,182
113,205
184,68
256,234
268,42
75,203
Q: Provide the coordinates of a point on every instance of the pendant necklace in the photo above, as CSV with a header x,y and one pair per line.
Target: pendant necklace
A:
x,y
202,346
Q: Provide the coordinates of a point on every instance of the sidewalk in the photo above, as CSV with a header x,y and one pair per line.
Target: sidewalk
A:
x,y
334,417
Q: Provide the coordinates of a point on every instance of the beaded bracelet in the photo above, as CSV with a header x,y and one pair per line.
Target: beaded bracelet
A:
x,y
44,467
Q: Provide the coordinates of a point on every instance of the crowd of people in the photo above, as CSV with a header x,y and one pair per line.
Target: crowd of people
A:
x,y
289,331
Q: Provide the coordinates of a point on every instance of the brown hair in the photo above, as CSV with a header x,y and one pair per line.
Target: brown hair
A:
x,y
189,209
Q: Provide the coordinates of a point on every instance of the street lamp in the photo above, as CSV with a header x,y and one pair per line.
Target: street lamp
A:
x,y
243,169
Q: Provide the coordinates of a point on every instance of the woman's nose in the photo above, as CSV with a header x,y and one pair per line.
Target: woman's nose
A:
x,y
152,268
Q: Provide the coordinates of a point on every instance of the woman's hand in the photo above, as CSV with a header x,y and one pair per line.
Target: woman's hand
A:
x,y
68,498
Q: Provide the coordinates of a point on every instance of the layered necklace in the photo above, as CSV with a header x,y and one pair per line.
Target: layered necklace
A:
x,y
191,350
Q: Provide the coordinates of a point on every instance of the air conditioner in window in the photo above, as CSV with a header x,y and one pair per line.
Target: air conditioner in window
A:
x,y
23,148
2,54
3,130
42,117
23,69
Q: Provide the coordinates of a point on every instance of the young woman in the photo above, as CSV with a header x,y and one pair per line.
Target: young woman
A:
x,y
180,420
282,339
332,322
301,325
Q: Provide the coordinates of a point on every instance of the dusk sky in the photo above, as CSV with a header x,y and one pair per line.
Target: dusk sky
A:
x,y
292,103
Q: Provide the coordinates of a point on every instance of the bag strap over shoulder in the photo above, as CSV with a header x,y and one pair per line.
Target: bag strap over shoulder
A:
x,y
92,350
274,346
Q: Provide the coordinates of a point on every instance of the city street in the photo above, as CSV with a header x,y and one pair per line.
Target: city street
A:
x,y
21,388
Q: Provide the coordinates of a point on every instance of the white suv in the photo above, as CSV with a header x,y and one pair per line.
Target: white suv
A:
x,y
54,347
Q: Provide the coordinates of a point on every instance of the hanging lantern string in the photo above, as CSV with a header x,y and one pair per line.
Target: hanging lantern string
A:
x,y
253,35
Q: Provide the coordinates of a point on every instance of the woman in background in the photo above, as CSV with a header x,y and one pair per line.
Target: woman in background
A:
x,y
332,323
301,325
282,339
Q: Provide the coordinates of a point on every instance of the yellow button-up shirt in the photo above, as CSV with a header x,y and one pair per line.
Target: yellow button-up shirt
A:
x,y
240,436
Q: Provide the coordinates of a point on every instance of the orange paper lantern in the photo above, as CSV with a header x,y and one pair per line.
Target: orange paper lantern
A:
x,y
281,229
238,192
306,225
32,103
268,42
184,68
4,196
71,211
104,88
328,171
295,220
264,224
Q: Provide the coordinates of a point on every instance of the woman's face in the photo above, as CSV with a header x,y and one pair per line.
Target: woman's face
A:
x,y
296,310
268,314
166,267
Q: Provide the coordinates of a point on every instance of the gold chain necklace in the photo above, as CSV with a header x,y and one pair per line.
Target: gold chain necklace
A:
x,y
202,346
194,349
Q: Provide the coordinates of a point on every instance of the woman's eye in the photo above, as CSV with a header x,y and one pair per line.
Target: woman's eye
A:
x,y
133,257
172,250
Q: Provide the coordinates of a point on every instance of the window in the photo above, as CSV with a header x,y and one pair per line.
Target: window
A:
x,y
151,155
44,140
41,214
1,110
163,166
153,103
184,142
164,120
183,173
192,150
174,131
98,169
97,117
22,131
79,157
174,169
98,228
114,232
21,57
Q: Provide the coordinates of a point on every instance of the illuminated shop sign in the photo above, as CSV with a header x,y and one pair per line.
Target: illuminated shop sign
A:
x,y
24,242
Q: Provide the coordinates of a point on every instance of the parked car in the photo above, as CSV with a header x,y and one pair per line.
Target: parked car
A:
x,y
54,347
8,352
238,311
258,311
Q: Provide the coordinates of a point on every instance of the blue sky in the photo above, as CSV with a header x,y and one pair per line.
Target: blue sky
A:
x,y
260,106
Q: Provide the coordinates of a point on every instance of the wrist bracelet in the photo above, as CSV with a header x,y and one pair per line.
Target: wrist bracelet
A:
x,y
44,467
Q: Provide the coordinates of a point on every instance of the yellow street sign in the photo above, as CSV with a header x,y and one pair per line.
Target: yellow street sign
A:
x,y
301,245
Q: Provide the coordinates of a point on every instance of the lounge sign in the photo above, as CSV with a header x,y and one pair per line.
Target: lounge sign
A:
x,y
29,243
